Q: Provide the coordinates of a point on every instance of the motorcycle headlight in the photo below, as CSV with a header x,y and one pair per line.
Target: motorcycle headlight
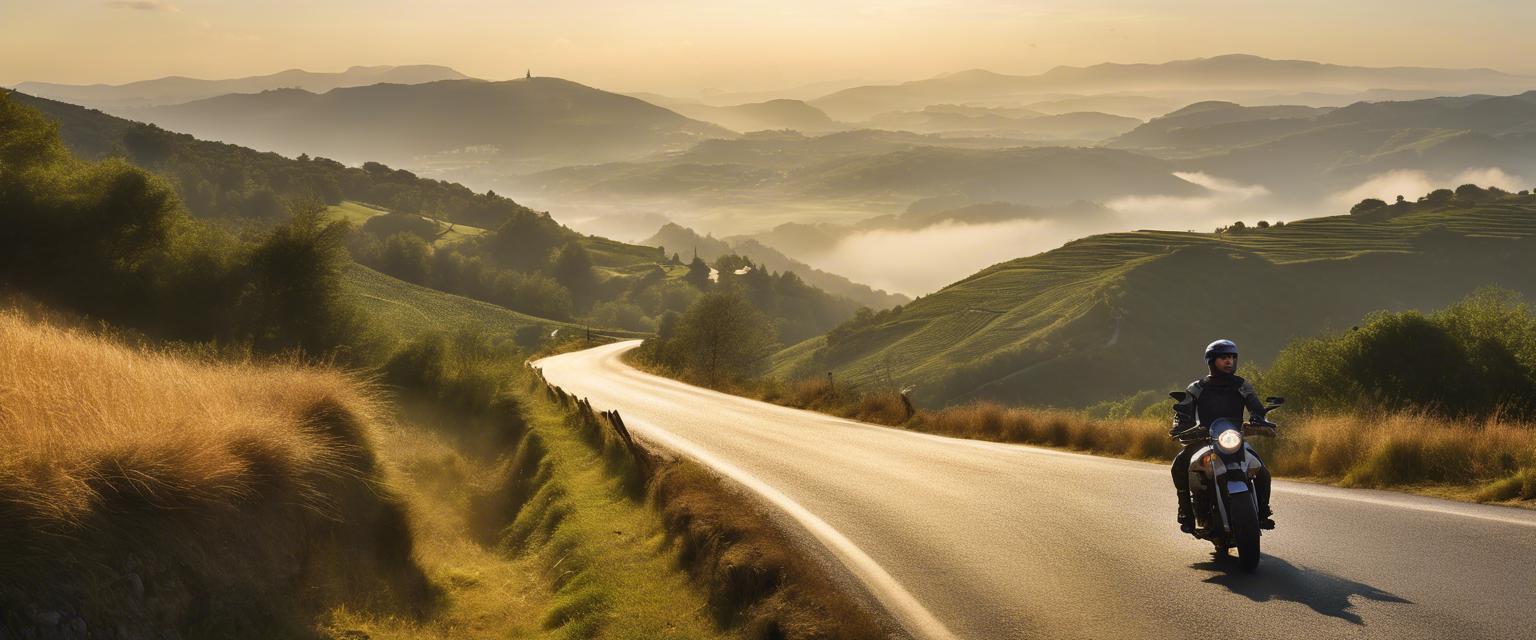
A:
x,y
1229,441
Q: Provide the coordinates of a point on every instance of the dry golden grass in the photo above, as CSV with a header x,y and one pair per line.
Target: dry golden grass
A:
x,y
217,488
1484,460
1489,460
86,420
758,581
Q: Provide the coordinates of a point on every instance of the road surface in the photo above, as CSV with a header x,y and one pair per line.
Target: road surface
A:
x,y
966,539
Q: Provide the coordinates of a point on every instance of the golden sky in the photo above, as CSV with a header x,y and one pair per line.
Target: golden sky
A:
x,y
684,46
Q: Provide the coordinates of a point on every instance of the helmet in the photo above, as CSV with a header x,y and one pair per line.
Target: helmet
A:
x,y
1219,348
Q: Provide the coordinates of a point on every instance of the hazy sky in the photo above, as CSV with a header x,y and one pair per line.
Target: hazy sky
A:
x,y
687,45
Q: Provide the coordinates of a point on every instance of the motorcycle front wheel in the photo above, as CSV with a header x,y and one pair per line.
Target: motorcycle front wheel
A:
x,y
1245,529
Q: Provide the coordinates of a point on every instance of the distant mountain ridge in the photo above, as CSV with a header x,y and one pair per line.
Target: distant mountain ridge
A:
x,y
179,89
1306,152
1234,72
541,120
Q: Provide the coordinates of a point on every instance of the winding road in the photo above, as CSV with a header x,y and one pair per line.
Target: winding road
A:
x,y
977,540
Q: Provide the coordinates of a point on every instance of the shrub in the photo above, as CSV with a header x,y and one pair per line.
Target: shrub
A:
x,y
1476,358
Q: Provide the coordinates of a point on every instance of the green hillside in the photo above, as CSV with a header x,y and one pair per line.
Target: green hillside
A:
x,y
496,250
1110,315
414,310
359,214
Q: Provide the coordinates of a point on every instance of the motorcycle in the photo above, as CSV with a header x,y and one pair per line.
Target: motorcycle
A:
x,y
1221,482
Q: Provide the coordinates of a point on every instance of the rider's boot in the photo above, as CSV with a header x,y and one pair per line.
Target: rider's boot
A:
x,y
1262,486
1186,513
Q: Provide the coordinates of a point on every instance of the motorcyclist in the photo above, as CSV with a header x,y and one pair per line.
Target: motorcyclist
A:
x,y
1221,394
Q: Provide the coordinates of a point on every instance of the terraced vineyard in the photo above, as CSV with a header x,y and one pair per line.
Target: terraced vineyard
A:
x,y
1110,315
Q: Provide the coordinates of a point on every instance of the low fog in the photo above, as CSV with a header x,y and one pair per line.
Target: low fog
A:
x,y
917,262
920,261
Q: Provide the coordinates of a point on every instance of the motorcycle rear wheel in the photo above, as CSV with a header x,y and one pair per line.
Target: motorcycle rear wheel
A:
x,y
1245,529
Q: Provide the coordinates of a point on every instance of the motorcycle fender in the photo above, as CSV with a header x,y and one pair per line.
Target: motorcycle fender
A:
x,y
1199,474
1235,487
1253,461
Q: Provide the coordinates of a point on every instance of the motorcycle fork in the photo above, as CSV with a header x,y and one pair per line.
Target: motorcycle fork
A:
x,y
1220,484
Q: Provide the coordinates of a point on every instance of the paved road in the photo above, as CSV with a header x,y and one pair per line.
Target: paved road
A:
x,y
968,539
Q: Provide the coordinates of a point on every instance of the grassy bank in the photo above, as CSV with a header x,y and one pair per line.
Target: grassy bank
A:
x,y
542,540
144,493
758,583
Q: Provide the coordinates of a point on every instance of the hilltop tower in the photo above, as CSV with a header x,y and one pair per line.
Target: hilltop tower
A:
x,y
528,74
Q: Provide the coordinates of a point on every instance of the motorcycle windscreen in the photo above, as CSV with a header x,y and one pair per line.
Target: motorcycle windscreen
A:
x,y
1236,486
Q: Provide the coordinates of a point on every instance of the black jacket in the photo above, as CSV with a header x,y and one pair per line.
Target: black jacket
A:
x,y
1186,412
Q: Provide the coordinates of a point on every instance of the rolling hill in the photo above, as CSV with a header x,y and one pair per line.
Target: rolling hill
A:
x,y
1302,155
178,89
874,170
1216,124
1199,76
531,121
1076,125
777,114
1110,315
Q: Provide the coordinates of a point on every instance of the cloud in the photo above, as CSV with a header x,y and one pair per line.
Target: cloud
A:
x,y
143,5
921,261
1387,186
1491,177
1219,205
1412,183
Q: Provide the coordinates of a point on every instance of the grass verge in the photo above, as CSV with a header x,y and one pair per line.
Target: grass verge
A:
x,y
759,584
543,539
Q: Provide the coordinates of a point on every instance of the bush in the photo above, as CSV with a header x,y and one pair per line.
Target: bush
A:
x,y
1476,358
1366,206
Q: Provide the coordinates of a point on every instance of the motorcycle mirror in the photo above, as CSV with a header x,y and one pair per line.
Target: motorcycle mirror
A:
x,y
1178,396
1274,400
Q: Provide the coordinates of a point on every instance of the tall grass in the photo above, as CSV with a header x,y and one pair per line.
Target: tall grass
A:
x,y
151,491
1485,459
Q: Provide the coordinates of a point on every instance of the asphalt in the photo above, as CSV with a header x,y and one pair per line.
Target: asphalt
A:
x,y
967,539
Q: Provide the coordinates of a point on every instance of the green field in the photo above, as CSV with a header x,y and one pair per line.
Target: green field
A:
x,y
1109,315
358,213
413,310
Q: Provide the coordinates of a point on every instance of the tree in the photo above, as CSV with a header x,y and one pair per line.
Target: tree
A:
x,y
698,274
294,297
722,337
1366,206
406,257
1440,197
1470,193
524,241
572,268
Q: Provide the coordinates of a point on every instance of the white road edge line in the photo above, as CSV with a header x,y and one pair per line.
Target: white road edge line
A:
x,y
911,613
